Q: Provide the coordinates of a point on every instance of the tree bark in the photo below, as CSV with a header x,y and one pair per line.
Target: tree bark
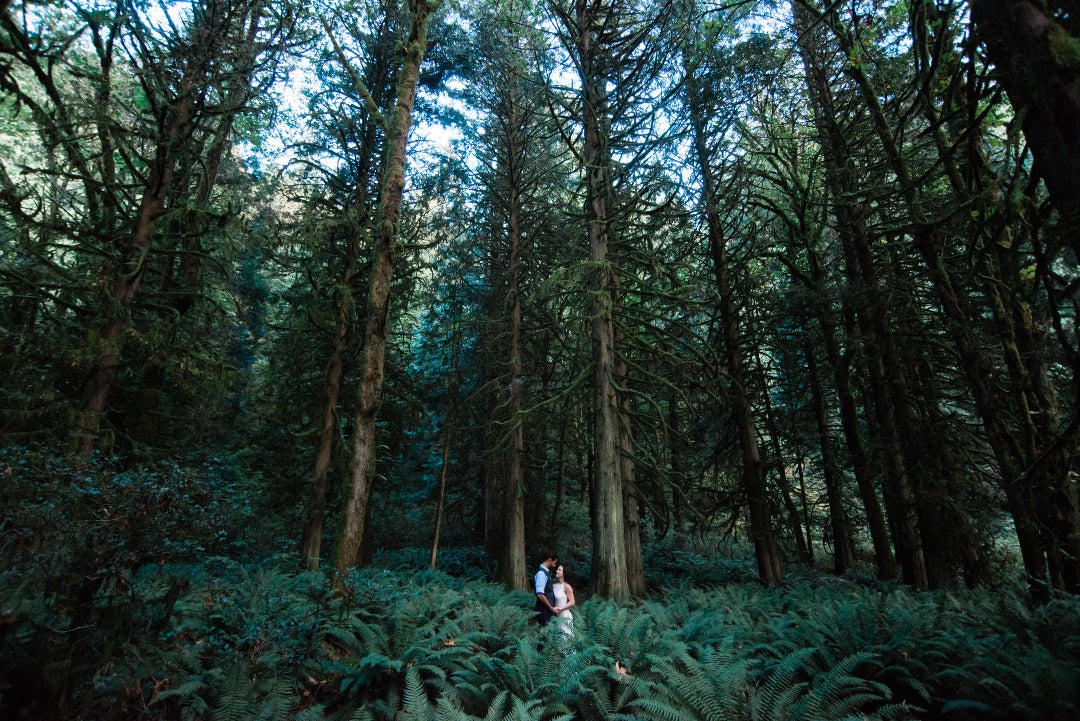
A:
x,y
108,342
315,516
585,25
873,321
362,462
311,541
512,564
843,549
607,498
1035,54
766,551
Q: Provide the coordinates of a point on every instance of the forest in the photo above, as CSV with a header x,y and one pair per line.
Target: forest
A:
x,y
323,324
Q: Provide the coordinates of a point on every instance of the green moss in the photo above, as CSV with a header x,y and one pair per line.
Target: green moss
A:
x,y
1064,48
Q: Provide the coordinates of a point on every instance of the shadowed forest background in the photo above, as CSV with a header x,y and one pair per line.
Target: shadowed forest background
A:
x,y
318,322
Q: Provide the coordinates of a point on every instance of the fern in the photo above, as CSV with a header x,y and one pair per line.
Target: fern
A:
x,y
838,692
714,687
277,698
896,712
777,698
506,707
416,706
233,702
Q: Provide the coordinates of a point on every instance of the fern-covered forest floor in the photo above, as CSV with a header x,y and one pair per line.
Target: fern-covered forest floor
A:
x,y
165,593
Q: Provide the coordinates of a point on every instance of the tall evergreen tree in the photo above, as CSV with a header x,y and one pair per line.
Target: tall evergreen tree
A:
x,y
363,455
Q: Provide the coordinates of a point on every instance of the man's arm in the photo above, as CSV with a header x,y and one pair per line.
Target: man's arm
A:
x,y
543,597
540,585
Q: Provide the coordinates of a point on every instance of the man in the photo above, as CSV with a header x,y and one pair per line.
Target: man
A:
x,y
545,596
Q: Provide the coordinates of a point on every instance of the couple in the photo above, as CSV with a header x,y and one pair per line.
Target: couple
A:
x,y
554,596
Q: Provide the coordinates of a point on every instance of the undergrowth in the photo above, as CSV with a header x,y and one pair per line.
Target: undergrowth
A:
x,y
107,615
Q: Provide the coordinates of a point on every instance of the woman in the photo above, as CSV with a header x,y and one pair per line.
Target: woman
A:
x,y
564,600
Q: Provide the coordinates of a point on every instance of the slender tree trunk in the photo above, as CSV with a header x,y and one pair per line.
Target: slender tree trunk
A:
x,y
108,343
362,466
440,504
843,550
494,475
840,362
674,424
805,508
883,380
635,566
311,541
766,549
802,545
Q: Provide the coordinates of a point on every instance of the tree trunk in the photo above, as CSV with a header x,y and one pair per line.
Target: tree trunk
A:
x,y
606,499
311,541
108,342
1035,56
843,550
872,316
783,483
805,508
512,564
635,567
753,479
607,492
440,504
355,516
840,362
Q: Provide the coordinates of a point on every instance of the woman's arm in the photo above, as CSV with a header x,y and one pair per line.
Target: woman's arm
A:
x,y
569,596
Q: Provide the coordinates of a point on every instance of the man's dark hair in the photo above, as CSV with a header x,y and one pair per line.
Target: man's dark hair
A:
x,y
548,553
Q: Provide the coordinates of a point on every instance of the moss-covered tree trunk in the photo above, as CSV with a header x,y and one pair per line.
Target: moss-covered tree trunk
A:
x,y
766,550
377,76
355,514
1035,47
606,498
107,342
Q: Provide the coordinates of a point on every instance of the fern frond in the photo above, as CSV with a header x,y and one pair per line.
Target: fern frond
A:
x,y
277,698
415,703
897,712
777,697
234,703
186,690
